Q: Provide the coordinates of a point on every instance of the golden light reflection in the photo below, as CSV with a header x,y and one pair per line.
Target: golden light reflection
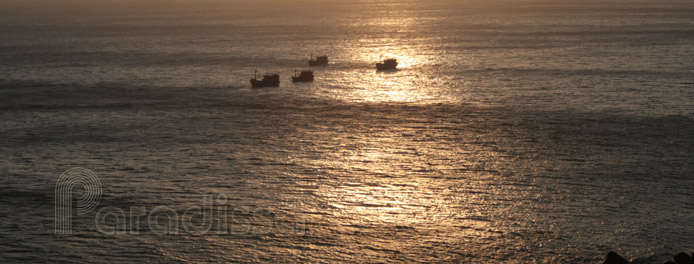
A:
x,y
402,85
375,196
388,86
391,181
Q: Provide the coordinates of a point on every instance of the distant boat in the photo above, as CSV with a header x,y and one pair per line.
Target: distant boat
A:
x,y
388,64
269,80
320,60
305,76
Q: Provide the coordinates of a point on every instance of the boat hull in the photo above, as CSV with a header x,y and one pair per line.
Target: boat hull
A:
x,y
258,83
386,67
317,63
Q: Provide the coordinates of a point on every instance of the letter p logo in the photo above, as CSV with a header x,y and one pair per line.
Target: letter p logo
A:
x,y
64,201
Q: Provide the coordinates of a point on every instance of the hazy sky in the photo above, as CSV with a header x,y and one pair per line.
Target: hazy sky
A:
x,y
43,11
98,4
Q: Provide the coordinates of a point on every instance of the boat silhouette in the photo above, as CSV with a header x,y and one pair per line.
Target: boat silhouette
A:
x,y
320,60
388,64
304,76
269,80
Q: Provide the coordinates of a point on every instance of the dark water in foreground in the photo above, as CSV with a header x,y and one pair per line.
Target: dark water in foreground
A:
x,y
550,134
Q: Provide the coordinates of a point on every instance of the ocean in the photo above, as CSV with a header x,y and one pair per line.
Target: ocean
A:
x,y
513,131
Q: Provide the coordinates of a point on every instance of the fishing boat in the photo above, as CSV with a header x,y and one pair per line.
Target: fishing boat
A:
x,y
269,80
304,76
388,64
320,60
